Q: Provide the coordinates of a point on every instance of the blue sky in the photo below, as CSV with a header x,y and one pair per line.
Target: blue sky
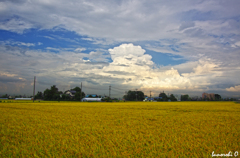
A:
x,y
179,47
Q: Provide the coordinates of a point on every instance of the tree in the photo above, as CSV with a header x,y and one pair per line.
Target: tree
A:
x,y
65,97
18,96
4,96
185,97
78,95
106,99
47,94
218,97
172,98
51,94
77,89
39,95
132,95
164,96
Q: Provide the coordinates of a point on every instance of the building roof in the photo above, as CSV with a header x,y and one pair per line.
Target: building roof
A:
x,y
73,92
93,95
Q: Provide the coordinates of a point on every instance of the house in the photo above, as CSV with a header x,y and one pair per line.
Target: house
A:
x,y
148,99
71,93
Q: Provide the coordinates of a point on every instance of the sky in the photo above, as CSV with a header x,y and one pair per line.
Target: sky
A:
x,y
179,47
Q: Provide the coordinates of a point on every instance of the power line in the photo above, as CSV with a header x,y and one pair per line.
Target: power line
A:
x,y
116,90
94,88
115,94
119,93
120,88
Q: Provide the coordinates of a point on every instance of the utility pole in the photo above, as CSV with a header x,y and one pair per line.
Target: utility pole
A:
x,y
81,92
136,94
34,87
150,95
110,91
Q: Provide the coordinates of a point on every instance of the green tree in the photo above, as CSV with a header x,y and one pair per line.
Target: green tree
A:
x,y
218,97
65,97
77,89
39,95
18,96
78,96
185,97
106,99
164,96
4,96
47,94
133,95
172,98
51,94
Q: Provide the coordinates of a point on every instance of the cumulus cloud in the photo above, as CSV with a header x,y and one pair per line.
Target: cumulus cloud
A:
x,y
234,89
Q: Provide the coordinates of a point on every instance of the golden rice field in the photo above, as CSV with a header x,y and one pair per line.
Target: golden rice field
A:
x,y
122,129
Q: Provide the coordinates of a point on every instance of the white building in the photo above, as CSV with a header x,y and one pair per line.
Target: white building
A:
x,y
91,99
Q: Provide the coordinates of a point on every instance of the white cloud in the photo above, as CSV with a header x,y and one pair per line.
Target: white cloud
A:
x,y
11,42
16,25
126,50
234,89
237,43
79,49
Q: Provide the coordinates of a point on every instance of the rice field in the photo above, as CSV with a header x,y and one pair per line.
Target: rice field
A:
x,y
121,129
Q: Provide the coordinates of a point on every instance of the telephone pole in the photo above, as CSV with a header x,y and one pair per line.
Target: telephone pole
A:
x,y
34,87
110,91
81,93
136,94
150,95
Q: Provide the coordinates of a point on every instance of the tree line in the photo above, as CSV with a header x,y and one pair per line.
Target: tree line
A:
x,y
139,96
54,94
